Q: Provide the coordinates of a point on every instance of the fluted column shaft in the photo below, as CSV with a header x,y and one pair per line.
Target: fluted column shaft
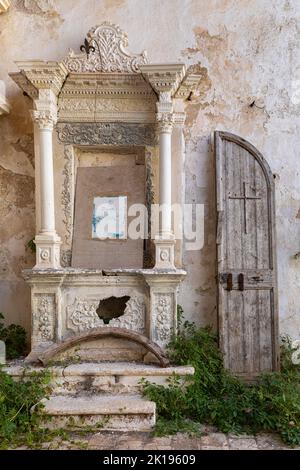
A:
x,y
164,256
165,125
45,127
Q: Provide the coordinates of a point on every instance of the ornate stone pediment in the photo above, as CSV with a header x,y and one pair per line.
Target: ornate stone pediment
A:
x,y
104,52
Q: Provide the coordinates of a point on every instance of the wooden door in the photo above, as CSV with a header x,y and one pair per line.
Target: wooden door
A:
x,y
246,258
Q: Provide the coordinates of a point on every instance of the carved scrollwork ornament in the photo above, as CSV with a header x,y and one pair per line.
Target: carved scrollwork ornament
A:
x,y
86,133
45,254
164,255
104,49
66,196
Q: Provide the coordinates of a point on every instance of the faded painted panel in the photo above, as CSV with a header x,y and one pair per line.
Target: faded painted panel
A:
x,y
93,182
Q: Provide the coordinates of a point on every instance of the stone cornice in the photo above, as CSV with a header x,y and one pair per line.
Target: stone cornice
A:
x,y
187,86
22,81
164,78
106,84
99,97
43,75
4,5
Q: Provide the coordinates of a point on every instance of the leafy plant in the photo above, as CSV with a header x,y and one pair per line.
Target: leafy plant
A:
x,y
166,427
14,337
21,418
31,245
18,424
214,396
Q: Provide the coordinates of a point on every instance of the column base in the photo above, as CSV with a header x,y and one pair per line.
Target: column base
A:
x,y
164,253
47,251
163,304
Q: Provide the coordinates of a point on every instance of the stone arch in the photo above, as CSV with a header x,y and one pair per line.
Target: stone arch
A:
x,y
98,333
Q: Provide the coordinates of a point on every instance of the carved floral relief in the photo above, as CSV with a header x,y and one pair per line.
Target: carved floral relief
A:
x,y
44,316
86,133
82,315
163,317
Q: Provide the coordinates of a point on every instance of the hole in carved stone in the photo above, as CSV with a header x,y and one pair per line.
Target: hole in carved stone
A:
x,y
112,307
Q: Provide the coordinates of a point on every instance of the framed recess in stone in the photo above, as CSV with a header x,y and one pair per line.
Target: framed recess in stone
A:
x,y
108,181
109,220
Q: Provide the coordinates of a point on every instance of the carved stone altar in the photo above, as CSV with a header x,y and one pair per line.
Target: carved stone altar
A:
x,y
87,107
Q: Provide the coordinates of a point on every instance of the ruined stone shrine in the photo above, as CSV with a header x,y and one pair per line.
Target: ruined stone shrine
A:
x,y
108,132
106,126
102,120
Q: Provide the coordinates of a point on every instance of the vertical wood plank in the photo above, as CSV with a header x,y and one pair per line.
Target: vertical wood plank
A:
x,y
247,319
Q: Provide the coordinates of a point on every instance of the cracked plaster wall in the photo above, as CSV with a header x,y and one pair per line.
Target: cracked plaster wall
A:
x,y
246,50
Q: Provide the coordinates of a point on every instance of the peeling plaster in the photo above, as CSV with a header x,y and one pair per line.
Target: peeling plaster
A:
x,y
245,51
35,7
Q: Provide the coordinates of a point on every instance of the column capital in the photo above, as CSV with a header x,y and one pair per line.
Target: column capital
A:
x,y
45,119
165,122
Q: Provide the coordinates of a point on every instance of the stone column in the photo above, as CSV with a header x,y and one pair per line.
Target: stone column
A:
x,y
165,126
164,242
165,79
47,241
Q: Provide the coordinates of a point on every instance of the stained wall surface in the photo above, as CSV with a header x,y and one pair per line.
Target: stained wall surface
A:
x,y
248,54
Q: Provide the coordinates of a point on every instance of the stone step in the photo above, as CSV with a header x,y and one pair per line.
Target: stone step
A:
x,y
112,378
106,378
111,413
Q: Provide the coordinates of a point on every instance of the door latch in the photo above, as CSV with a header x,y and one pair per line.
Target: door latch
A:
x,y
241,281
229,282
